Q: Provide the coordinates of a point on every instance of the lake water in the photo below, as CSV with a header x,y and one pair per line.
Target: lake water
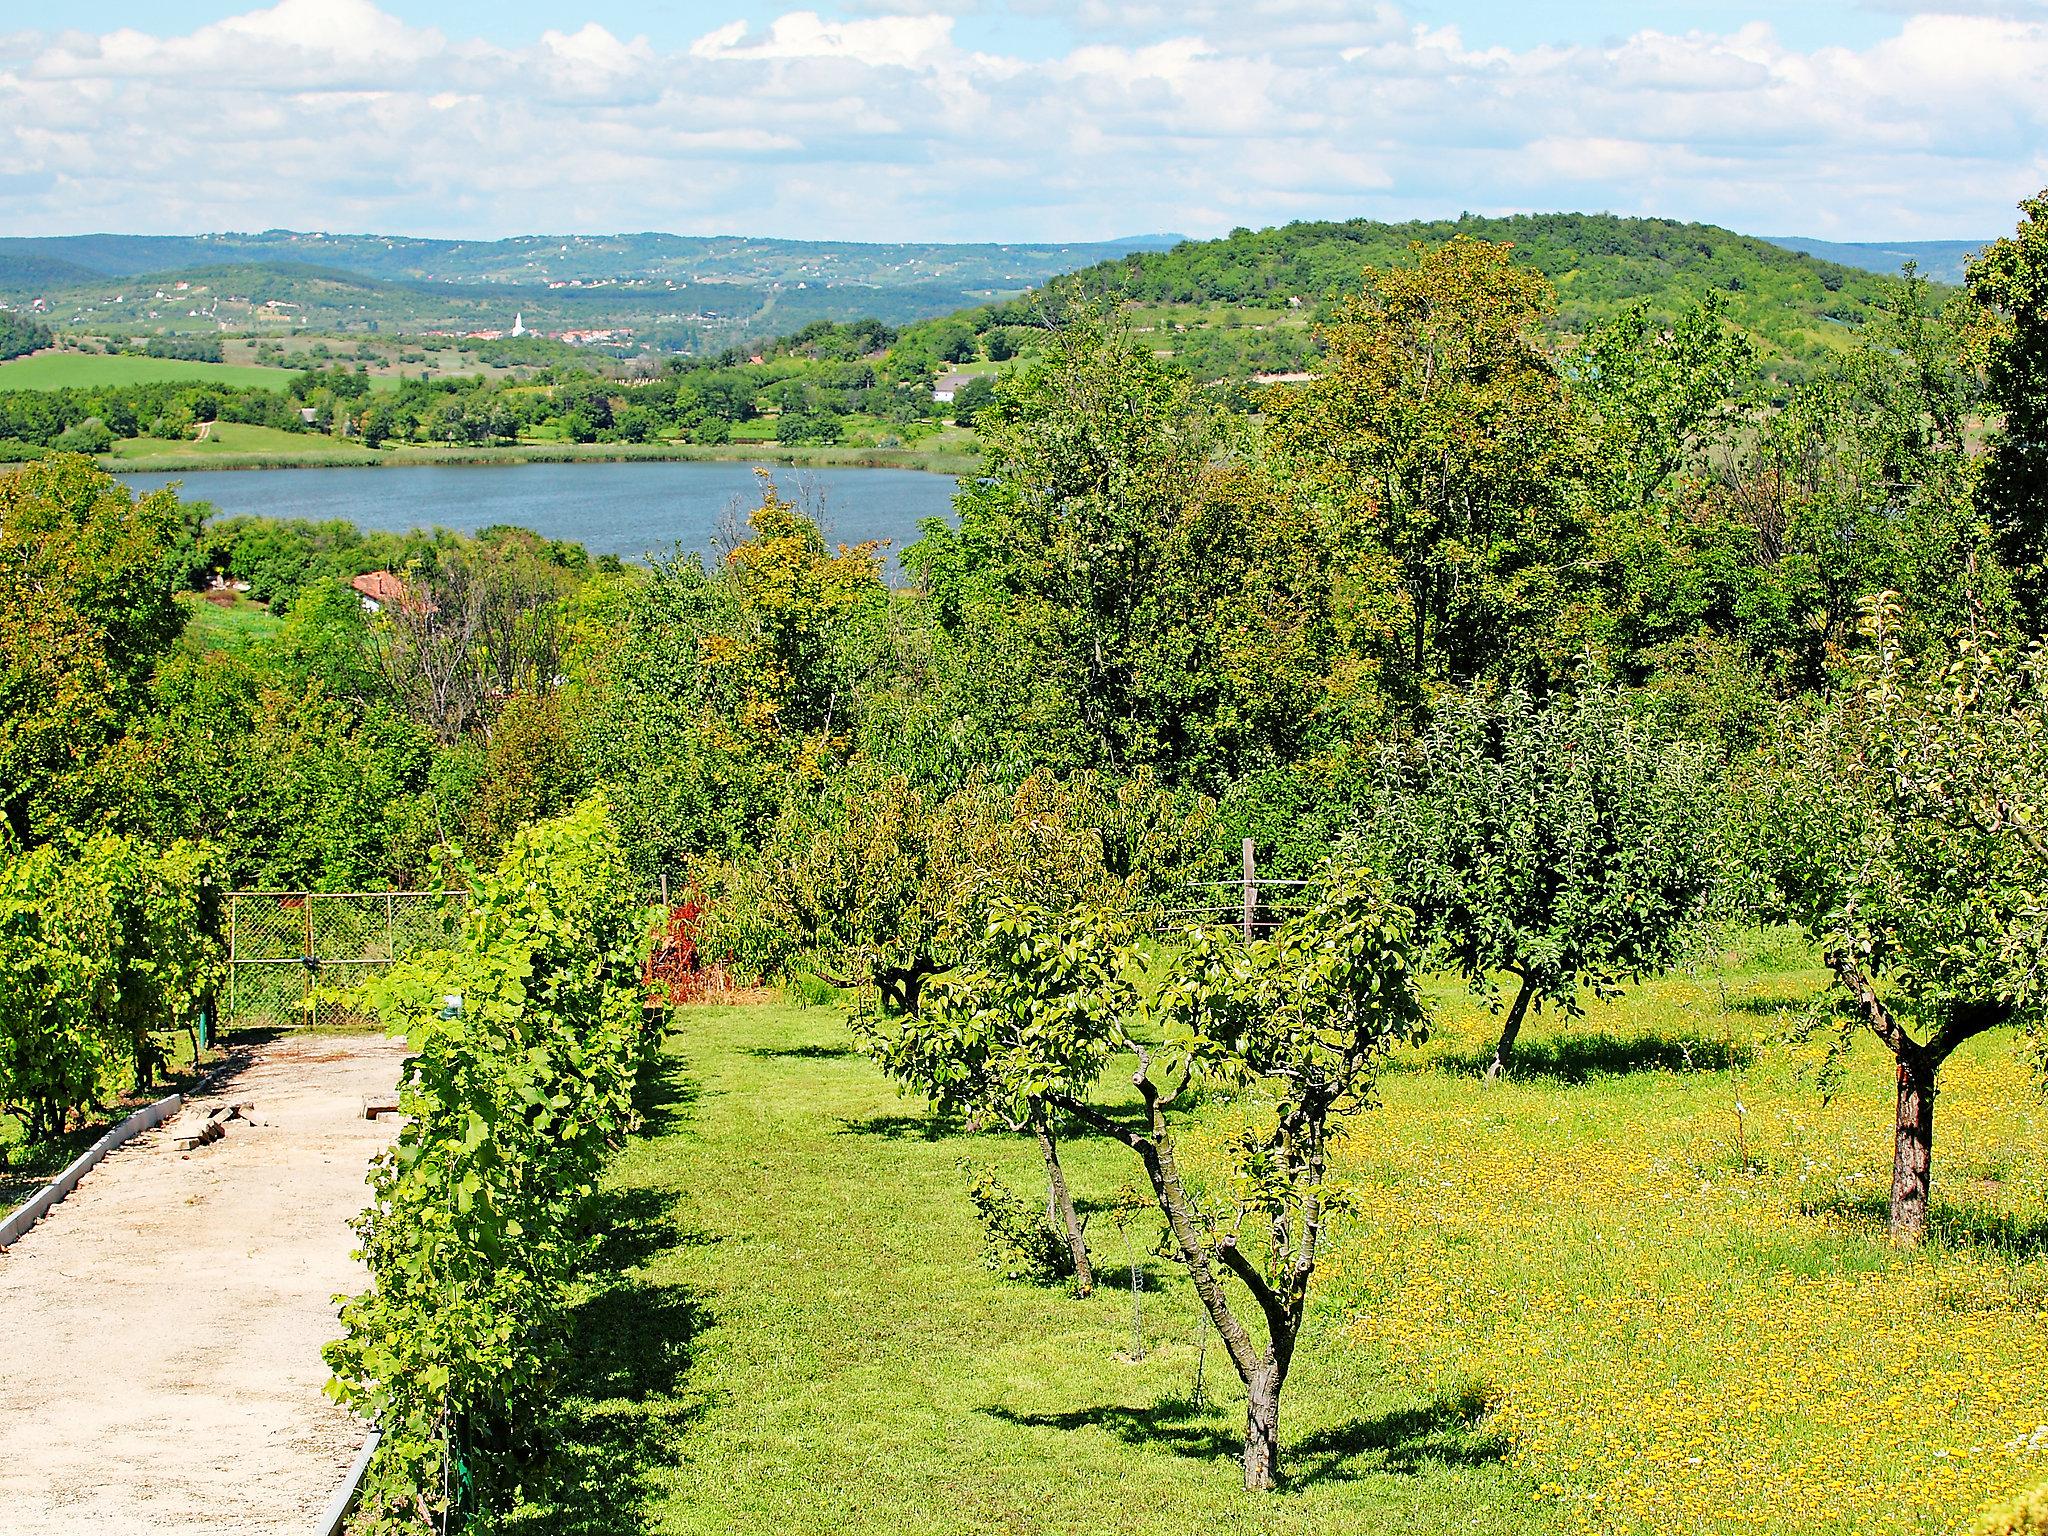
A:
x,y
628,509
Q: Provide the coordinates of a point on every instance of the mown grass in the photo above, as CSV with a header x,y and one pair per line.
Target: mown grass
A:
x,y
796,1333
87,370
1595,1297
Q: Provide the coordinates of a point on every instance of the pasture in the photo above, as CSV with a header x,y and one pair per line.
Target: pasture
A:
x,y
82,370
1642,1286
227,439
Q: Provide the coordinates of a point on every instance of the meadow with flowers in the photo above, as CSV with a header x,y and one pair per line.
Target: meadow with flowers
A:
x,y
1639,1287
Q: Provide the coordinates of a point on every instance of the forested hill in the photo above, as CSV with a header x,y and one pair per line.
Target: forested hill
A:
x,y
1796,307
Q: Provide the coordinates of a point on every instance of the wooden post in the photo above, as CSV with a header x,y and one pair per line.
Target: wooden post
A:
x,y
1251,891
664,890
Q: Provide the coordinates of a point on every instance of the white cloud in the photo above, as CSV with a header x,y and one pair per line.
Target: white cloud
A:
x,y
878,122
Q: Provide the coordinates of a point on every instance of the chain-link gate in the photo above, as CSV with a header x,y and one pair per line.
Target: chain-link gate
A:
x,y
294,956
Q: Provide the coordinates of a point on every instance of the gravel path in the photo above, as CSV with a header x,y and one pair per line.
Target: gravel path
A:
x,y
160,1330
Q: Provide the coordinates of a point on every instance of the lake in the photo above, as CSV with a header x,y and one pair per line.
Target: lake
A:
x,y
630,509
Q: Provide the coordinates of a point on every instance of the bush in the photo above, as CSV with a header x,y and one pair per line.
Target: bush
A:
x,y
527,1040
89,436
1020,1242
2024,1514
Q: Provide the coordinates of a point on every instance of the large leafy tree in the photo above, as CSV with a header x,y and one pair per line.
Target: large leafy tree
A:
x,y
1125,586
88,582
1563,845
2008,282
880,884
1442,435
1905,827
714,695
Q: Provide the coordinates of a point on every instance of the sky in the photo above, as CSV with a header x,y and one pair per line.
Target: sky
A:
x,y
1014,119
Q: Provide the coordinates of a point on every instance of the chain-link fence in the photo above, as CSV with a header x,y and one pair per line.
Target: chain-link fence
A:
x,y
294,956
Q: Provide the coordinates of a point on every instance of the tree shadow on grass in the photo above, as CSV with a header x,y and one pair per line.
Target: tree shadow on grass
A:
x,y
902,1127
666,1094
623,1403
801,1052
1581,1055
1445,1431
1948,1225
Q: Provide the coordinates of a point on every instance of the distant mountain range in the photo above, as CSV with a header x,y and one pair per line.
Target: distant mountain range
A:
x,y
678,290
695,293
1942,260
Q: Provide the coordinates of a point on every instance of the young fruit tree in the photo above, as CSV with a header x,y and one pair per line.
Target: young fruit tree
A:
x,y
1298,1024
1564,845
1907,828
1029,1021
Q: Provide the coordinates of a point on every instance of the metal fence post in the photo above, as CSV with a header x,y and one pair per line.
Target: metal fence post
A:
x,y
1251,891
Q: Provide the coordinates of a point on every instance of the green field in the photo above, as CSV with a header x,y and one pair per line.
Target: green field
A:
x,y
80,370
1594,1298
226,439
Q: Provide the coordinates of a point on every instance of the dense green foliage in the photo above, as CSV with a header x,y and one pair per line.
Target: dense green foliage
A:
x,y
2009,283
527,1038
1563,847
87,583
1795,308
20,335
105,948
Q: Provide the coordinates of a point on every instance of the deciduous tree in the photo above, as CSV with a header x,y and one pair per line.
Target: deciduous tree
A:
x,y
1566,845
1907,827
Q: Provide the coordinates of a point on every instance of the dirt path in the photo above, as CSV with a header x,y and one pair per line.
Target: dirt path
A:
x,y
160,1330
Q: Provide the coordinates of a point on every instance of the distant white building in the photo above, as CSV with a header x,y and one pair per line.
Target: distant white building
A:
x,y
948,385
518,323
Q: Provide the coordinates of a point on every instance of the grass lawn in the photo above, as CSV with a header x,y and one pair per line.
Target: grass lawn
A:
x,y
85,370
808,1342
233,626
1593,1298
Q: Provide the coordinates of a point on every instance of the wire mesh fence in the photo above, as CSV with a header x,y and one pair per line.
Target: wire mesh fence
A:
x,y
295,957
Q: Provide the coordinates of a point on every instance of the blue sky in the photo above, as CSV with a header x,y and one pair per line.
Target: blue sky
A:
x,y
1015,119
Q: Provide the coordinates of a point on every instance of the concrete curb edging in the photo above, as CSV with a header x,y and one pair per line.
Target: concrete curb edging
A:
x,y
344,1498
37,1205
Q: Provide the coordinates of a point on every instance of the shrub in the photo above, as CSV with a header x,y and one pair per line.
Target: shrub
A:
x,y
1019,1241
2024,1514
527,1039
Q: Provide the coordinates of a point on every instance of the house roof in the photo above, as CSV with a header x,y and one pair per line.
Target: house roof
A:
x,y
379,586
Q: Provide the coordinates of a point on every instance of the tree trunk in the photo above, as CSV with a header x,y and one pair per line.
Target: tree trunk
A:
x,y
1063,1208
1508,1031
1262,1428
1913,1147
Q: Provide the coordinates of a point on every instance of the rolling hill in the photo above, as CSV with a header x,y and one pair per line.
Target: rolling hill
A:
x,y
1249,301
672,290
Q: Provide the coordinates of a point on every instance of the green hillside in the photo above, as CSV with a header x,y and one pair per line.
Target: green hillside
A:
x,y
1249,300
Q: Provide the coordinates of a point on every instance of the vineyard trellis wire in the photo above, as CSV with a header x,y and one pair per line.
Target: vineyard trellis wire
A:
x,y
1253,904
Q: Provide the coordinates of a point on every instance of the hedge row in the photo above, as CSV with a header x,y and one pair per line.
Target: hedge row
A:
x,y
527,1039
106,946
